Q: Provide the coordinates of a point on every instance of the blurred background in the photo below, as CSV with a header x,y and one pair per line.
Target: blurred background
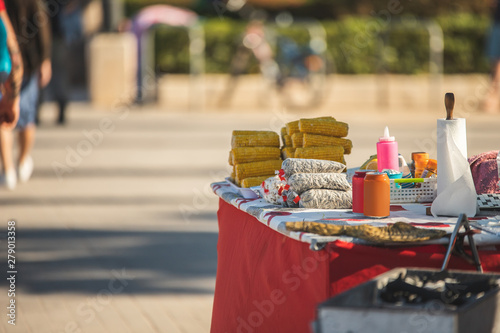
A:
x,y
210,38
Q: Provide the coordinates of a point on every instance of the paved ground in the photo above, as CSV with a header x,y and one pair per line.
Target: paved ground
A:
x,y
117,229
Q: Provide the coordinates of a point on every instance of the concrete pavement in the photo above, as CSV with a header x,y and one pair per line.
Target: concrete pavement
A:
x,y
117,230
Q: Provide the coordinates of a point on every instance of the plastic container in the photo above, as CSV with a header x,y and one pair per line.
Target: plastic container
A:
x,y
426,192
358,183
377,195
403,166
406,172
387,152
393,174
430,169
420,160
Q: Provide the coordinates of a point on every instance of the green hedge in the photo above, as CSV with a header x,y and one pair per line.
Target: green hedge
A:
x,y
352,44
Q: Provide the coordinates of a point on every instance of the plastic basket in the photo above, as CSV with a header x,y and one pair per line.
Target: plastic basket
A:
x,y
425,193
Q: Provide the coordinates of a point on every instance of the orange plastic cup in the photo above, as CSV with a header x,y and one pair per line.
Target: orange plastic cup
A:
x,y
377,195
420,160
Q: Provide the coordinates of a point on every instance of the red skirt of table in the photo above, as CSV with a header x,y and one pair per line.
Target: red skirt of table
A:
x,y
268,282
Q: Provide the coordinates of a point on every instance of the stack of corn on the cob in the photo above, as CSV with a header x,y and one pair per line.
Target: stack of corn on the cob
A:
x,y
320,138
255,156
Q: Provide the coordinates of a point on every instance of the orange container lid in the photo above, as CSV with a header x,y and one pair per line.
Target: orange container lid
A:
x,y
376,176
420,156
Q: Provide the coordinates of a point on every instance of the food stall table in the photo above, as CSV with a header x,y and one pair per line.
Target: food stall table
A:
x,y
271,280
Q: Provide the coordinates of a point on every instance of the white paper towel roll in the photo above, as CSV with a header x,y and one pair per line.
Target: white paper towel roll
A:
x,y
456,191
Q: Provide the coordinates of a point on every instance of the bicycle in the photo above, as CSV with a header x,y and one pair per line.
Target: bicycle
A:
x,y
297,72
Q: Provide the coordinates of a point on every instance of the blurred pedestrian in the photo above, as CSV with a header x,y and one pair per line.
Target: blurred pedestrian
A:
x,y
491,102
9,97
31,24
59,86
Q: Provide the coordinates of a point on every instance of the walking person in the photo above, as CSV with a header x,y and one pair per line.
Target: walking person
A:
x,y
32,28
9,90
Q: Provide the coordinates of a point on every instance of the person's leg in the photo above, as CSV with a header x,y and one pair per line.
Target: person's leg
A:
x,y
60,81
29,101
9,172
6,141
26,141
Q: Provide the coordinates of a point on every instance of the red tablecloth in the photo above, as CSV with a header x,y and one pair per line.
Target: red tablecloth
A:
x,y
268,282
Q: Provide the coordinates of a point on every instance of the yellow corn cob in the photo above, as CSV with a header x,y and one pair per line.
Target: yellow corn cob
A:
x,y
331,153
253,169
287,152
283,131
297,139
240,132
254,181
287,141
256,140
328,127
254,154
313,140
231,157
292,127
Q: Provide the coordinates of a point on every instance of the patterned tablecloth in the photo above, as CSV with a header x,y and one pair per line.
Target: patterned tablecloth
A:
x,y
275,217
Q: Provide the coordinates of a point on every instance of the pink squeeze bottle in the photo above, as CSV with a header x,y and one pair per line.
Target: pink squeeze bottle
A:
x,y
387,152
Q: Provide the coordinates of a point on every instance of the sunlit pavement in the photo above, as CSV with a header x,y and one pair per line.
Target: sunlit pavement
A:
x,y
117,229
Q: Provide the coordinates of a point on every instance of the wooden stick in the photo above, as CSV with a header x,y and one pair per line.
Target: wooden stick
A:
x,y
449,103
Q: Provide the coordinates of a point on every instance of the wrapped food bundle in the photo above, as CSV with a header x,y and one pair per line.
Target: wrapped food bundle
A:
x,y
312,183
301,182
290,199
272,189
255,156
298,165
326,199
317,138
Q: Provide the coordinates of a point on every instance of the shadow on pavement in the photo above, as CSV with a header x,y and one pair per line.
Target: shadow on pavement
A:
x,y
87,261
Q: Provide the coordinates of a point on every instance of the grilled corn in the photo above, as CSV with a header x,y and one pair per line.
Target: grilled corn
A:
x,y
330,153
254,181
328,127
313,140
253,169
254,154
297,139
256,140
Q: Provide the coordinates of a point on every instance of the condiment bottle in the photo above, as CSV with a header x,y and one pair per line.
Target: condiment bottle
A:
x,y
358,183
405,169
377,195
387,152
420,160
430,169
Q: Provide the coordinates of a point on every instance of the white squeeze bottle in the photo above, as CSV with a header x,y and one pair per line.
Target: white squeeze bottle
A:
x,y
387,152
